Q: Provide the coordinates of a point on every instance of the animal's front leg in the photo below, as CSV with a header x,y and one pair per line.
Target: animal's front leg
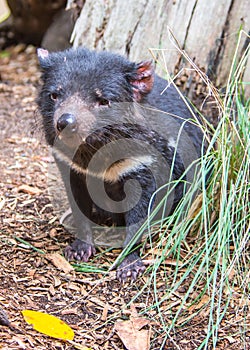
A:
x,y
132,265
81,205
79,250
82,248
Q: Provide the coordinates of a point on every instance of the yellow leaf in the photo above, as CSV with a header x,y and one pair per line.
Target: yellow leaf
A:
x,y
48,324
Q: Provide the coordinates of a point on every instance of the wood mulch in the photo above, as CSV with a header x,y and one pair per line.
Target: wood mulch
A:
x,y
90,303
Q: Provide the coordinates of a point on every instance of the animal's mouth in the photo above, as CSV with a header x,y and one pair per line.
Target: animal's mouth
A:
x,y
69,140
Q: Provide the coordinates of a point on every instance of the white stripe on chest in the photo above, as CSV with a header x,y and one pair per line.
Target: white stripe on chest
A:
x,y
113,173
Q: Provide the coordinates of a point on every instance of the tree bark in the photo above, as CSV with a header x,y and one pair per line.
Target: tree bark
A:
x,y
206,30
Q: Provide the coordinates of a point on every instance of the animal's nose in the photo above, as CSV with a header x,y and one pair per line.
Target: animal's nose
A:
x,y
67,121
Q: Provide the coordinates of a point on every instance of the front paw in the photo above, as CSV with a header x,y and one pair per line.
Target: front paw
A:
x,y
131,267
79,251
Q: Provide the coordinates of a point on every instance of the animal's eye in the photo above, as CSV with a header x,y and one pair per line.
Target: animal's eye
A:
x,y
103,102
54,96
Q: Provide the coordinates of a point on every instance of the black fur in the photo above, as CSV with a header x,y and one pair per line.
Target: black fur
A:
x,y
111,99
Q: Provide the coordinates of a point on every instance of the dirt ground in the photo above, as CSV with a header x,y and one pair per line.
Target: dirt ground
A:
x,y
89,302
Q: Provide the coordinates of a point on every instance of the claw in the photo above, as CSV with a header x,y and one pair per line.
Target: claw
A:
x,y
79,251
130,268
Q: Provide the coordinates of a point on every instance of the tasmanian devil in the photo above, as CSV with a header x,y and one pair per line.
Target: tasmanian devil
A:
x,y
121,137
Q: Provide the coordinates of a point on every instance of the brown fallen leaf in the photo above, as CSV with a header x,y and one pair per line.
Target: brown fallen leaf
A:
x,y
29,189
60,262
131,333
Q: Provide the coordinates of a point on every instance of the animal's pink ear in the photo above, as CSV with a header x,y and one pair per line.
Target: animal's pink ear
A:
x,y
44,58
42,54
143,80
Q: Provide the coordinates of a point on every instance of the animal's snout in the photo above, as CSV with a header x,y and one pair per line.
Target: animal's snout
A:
x,y
67,123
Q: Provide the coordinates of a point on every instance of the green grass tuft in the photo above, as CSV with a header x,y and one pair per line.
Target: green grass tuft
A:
x,y
202,262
